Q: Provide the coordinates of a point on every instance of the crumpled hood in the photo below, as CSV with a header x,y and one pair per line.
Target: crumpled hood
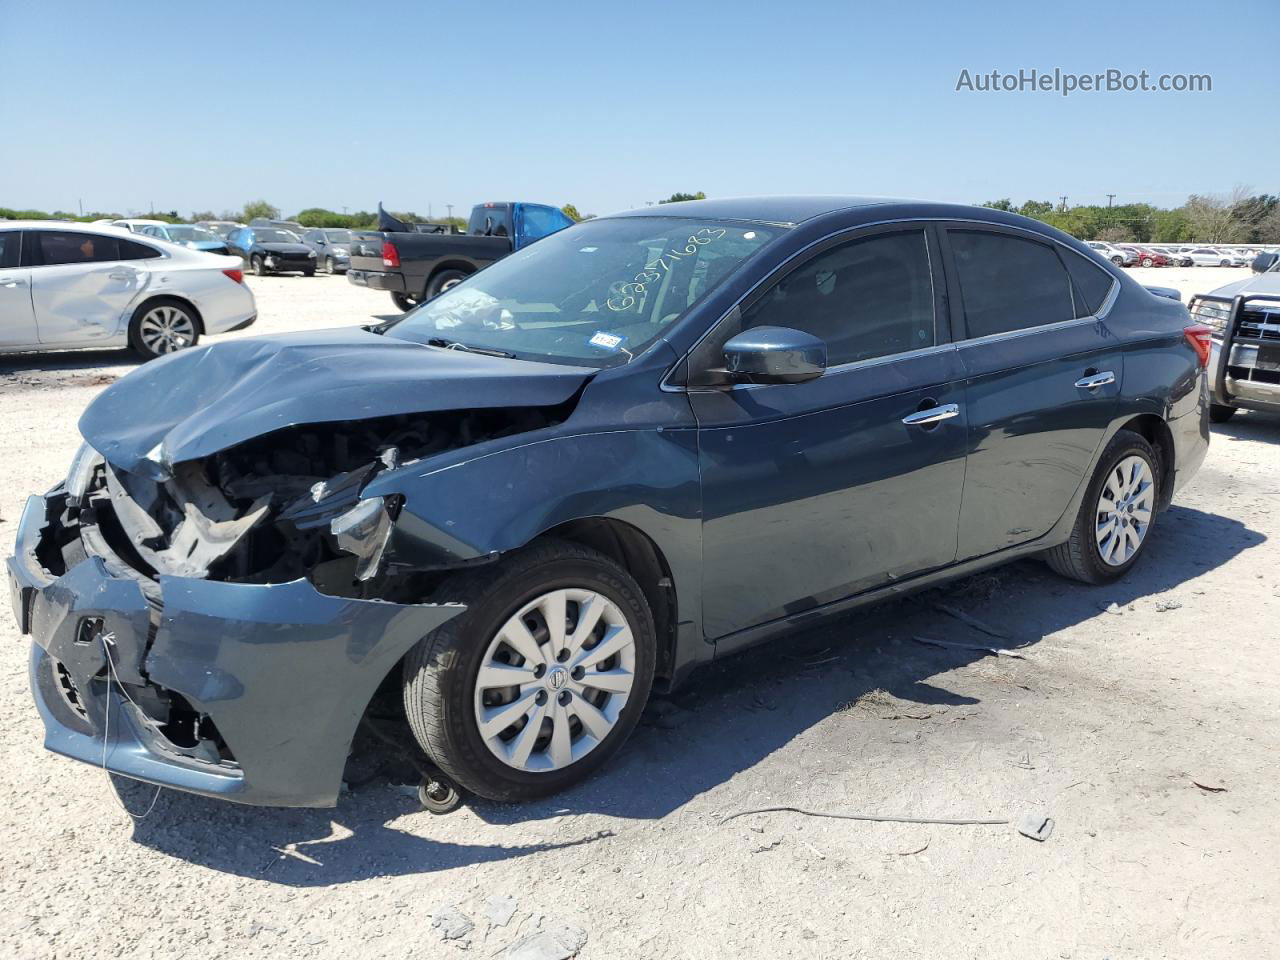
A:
x,y
196,402
1268,283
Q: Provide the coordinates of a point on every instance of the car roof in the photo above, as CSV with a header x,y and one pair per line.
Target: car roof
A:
x,y
99,228
780,209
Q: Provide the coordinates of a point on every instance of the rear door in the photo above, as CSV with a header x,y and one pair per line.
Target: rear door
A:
x,y
1043,378
816,491
80,288
17,317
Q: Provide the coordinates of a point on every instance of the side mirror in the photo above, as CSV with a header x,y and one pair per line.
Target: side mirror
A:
x,y
1264,262
775,355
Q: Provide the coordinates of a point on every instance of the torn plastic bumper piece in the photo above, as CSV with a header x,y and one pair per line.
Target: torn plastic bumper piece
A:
x,y
282,672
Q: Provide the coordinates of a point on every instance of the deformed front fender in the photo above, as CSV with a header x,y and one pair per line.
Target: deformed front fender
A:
x,y
483,506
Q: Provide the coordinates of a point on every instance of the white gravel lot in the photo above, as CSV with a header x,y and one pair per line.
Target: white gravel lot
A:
x,y
1107,724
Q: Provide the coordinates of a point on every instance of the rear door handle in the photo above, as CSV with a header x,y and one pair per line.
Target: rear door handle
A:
x,y
13,282
932,415
1095,380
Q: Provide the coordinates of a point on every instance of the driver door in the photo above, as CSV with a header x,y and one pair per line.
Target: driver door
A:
x,y
816,491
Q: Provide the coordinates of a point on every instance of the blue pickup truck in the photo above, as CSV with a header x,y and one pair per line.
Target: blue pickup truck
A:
x,y
415,262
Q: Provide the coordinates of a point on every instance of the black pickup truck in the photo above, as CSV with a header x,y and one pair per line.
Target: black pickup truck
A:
x,y
415,262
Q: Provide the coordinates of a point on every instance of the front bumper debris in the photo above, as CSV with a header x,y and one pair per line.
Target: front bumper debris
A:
x,y
249,692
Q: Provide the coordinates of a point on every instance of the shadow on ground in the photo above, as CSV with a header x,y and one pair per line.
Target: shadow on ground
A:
x,y
727,720
66,360
1252,425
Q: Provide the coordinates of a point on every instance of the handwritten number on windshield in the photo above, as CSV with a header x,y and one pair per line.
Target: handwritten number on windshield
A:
x,y
660,265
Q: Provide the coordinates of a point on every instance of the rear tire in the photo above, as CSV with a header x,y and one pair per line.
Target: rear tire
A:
x,y
1221,413
445,699
163,325
404,301
1081,557
443,280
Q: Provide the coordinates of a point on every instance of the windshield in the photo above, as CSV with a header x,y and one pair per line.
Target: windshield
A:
x,y
192,235
270,235
595,294
338,236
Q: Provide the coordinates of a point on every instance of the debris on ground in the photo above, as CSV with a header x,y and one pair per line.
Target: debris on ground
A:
x,y
1210,787
1164,606
951,645
1112,608
971,620
1036,825
451,922
499,910
875,818
559,942
885,706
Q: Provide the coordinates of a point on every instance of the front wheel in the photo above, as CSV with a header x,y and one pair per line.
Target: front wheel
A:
x,y
404,301
1221,413
1118,261
259,266
1147,261
1115,519
309,271
328,266
541,680
1225,263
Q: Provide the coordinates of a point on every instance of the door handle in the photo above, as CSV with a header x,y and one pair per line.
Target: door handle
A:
x,y
932,415
1094,380
12,282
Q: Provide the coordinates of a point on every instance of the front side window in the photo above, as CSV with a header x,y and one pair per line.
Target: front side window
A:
x,y
595,294
10,244
59,247
867,298
1009,283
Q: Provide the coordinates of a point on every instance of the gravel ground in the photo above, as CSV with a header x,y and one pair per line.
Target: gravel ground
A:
x,y
1141,717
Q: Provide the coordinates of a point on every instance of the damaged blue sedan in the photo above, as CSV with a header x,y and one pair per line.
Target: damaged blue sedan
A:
x,y
638,444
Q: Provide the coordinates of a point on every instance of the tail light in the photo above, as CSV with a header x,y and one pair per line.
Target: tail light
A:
x,y
236,275
1198,335
390,255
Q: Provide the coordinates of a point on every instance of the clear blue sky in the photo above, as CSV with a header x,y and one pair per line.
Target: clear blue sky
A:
x,y
196,105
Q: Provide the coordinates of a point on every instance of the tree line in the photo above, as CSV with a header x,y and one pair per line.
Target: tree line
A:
x,y
1242,217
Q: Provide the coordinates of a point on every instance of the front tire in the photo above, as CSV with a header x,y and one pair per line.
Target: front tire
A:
x,y
1116,516
162,326
555,635
1221,413
329,267
1147,261
258,265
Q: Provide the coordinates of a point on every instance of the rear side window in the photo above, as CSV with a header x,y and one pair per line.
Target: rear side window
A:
x,y
866,298
1009,283
1090,284
10,244
59,247
132,250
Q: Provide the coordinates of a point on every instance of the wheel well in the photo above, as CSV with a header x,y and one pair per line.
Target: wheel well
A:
x,y
641,557
1157,433
151,301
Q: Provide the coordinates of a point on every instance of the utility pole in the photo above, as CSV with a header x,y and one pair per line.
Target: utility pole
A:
x,y
1064,204
81,202
449,207
1110,197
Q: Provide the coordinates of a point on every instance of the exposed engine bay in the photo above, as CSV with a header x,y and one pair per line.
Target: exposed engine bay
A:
x,y
276,508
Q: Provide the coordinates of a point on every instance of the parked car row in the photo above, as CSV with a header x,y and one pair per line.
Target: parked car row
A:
x,y
1173,255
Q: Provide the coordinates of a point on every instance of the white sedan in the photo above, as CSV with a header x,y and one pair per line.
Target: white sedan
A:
x,y
65,285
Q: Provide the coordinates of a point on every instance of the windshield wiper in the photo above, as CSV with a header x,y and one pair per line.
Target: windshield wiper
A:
x,y
459,345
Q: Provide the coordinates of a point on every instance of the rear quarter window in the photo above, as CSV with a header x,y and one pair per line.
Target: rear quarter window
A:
x,y
1090,284
132,250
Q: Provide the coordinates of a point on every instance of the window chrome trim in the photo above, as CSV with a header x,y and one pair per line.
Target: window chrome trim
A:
x,y
942,222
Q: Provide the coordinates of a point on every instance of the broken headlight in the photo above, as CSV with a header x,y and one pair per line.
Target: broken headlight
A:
x,y
1214,315
364,531
82,466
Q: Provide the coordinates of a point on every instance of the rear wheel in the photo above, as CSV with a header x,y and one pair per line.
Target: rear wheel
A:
x,y
163,326
443,280
1115,519
1221,413
541,680
404,301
